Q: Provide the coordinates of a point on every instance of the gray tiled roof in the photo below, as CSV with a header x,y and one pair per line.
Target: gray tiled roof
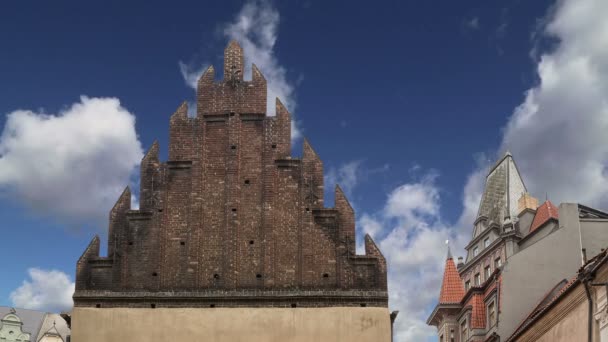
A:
x,y
32,320
502,190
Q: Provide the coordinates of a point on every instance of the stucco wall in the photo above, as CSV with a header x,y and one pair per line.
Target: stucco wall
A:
x,y
567,322
529,274
231,324
594,235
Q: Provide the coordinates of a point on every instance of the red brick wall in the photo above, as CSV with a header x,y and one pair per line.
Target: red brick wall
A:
x,y
231,209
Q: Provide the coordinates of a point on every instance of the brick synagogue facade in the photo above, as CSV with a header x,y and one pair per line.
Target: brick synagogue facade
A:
x,y
232,240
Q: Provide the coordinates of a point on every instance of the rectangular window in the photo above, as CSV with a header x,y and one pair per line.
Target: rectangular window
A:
x,y
477,279
487,272
441,338
451,335
497,262
467,285
491,314
475,251
486,242
463,331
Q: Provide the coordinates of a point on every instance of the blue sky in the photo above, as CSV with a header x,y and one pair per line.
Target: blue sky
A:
x,y
405,101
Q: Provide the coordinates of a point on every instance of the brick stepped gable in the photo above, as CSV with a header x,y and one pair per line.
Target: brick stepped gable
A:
x,y
231,219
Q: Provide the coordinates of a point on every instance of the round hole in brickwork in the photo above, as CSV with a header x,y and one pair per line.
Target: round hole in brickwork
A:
x,y
183,243
251,242
233,147
216,276
274,146
259,276
154,274
232,113
325,275
293,305
98,305
234,210
160,210
130,243
246,181
307,209
212,305
153,306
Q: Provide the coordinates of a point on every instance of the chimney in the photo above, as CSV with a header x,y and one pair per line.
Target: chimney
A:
x,y
460,262
526,202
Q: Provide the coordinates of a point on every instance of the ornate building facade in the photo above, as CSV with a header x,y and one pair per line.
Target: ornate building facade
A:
x,y
518,252
232,226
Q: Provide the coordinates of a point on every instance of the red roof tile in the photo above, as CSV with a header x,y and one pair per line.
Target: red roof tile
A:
x,y
452,289
478,313
544,213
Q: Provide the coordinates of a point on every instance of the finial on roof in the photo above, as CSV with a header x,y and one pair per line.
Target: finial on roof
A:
x,y
13,311
508,153
447,242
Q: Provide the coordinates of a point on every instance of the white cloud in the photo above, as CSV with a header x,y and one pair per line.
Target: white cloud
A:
x,y
473,23
255,28
46,290
558,134
411,235
73,165
347,175
190,74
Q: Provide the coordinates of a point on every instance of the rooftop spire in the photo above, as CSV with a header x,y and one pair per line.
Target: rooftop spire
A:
x,y
502,191
447,242
452,289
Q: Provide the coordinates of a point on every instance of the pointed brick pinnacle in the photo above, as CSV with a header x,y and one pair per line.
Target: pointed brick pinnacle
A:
x,y
281,110
181,113
308,150
208,76
233,61
152,152
256,75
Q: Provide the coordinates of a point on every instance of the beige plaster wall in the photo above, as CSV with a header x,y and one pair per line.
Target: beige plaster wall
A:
x,y
231,324
566,322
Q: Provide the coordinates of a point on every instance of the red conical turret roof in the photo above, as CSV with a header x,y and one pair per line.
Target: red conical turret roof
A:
x,y
452,289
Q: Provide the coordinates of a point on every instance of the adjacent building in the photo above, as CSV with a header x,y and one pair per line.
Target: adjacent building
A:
x,y
573,310
232,240
519,250
21,325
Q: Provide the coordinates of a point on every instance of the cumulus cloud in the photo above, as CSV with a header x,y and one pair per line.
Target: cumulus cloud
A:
x,y
558,134
255,27
411,235
72,165
46,290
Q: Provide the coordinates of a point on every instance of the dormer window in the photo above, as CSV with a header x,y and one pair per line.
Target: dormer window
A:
x,y
477,279
475,251
486,242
